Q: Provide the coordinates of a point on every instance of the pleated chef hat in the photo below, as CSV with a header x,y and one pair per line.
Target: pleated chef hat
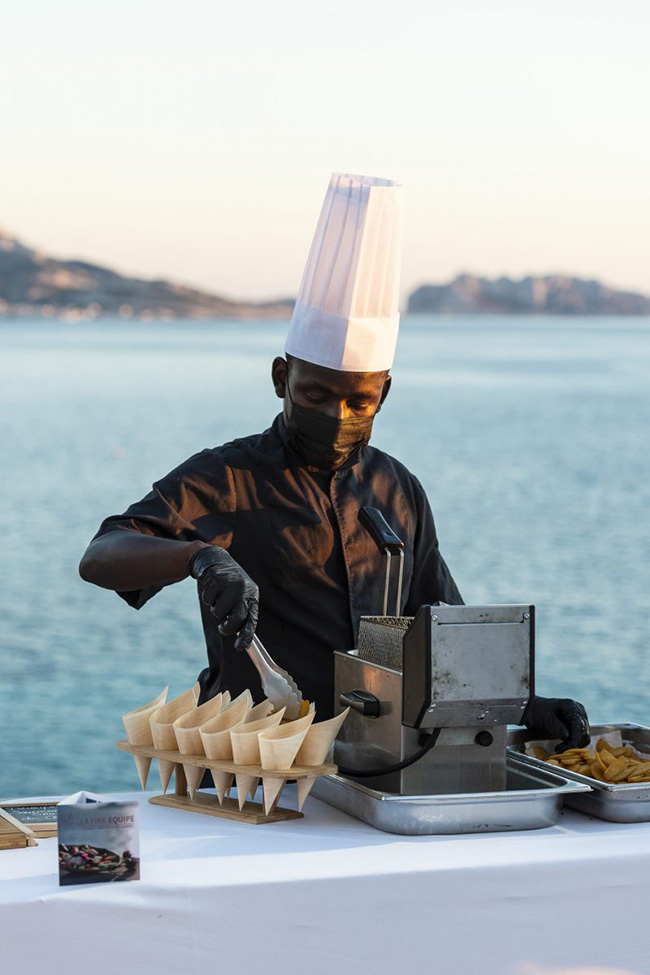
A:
x,y
346,314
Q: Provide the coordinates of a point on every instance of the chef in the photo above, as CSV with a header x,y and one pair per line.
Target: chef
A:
x,y
268,524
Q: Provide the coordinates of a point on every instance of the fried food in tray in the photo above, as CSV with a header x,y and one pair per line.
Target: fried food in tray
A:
x,y
606,763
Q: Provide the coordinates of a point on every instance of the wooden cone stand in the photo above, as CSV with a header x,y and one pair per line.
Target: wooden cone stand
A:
x,y
222,771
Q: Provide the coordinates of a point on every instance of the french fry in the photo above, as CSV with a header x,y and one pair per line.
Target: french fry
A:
x,y
616,766
606,763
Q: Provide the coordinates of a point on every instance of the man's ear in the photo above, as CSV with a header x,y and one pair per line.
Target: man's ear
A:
x,y
279,376
385,391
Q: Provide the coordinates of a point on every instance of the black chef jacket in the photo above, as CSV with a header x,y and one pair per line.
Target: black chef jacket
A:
x,y
295,530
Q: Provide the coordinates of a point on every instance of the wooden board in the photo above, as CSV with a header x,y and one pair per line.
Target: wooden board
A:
x,y
14,834
208,805
44,829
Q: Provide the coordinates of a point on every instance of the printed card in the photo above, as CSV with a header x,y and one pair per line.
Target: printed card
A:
x,y
98,840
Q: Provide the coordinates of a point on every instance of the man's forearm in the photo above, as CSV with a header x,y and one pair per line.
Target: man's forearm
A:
x,y
127,560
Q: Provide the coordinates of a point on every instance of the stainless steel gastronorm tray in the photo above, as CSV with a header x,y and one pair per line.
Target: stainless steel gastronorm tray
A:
x,y
617,803
532,800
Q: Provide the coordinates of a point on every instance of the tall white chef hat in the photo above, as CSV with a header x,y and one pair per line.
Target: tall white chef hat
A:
x,y
346,315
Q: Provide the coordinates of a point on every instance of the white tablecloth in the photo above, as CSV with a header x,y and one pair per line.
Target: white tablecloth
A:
x,y
328,894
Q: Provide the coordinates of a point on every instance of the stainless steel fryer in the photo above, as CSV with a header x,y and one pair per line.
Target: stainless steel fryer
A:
x,y
423,749
461,672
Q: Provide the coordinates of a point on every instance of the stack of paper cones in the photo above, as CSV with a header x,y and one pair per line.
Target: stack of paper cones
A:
x,y
278,749
246,751
314,750
138,732
162,728
188,735
215,737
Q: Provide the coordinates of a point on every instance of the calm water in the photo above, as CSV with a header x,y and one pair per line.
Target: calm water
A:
x,y
530,436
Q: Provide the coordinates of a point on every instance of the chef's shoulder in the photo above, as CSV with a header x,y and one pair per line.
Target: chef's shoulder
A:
x,y
198,498
390,475
211,473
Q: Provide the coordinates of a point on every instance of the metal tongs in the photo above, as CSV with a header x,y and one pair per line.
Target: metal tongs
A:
x,y
390,544
277,684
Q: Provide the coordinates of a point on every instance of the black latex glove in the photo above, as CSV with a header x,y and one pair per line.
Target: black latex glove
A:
x,y
232,596
555,717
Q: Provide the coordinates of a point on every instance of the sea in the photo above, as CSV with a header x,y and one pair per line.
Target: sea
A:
x,y
530,435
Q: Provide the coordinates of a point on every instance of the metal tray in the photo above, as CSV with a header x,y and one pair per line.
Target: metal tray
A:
x,y
532,800
617,803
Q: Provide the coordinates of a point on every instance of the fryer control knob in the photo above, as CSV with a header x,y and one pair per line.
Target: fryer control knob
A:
x,y
484,738
362,701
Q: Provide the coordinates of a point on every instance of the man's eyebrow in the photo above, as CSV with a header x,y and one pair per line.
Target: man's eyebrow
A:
x,y
366,391
308,384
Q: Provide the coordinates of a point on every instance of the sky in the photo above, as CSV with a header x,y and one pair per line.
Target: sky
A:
x,y
195,140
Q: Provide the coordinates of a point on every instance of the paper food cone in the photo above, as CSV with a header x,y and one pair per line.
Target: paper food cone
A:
x,y
237,703
165,770
154,702
215,734
222,783
186,728
162,720
136,722
162,728
272,790
245,784
193,775
303,788
279,746
259,711
318,740
138,732
142,764
245,738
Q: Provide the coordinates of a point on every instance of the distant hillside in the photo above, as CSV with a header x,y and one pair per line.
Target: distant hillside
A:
x,y
550,295
33,283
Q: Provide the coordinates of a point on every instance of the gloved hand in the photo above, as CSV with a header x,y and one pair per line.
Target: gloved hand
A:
x,y
554,717
232,596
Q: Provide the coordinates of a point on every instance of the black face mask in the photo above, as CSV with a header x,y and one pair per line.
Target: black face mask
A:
x,y
325,441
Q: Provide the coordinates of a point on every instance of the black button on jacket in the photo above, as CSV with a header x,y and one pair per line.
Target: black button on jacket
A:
x,y
296,533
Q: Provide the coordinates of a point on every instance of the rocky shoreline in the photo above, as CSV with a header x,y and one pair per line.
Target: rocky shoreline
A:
x,y
553,294
33,284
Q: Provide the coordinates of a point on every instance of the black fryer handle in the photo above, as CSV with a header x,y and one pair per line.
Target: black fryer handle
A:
x,y
362,701
380,531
